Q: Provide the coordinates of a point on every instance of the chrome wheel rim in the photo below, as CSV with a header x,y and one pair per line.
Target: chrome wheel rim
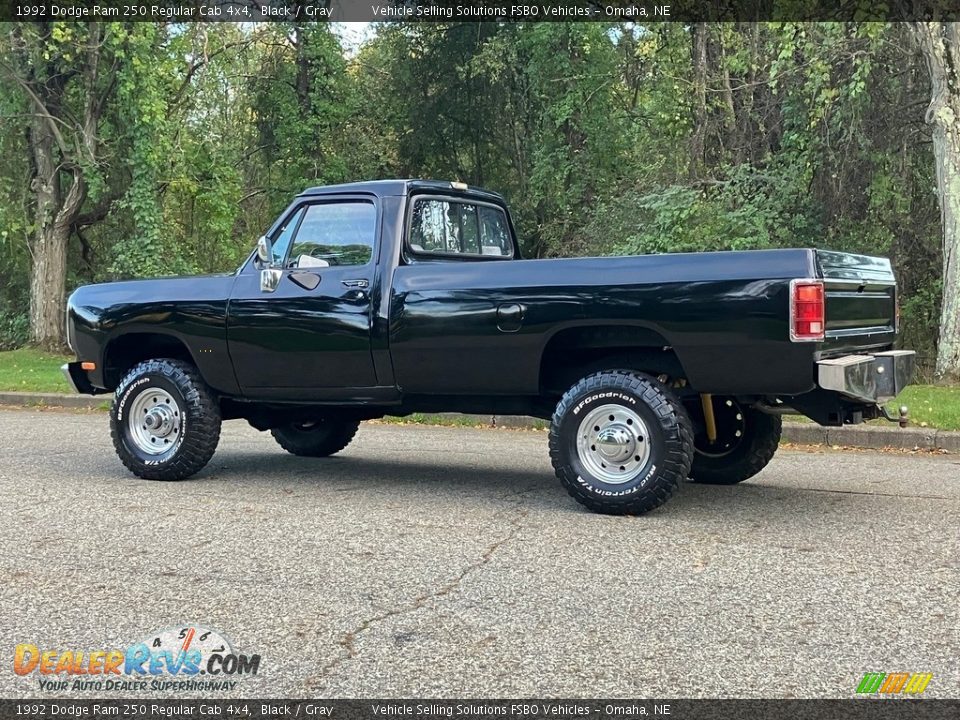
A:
x,y
613,444
154,422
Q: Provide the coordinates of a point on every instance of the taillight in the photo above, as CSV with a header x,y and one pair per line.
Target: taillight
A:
x,y
807,312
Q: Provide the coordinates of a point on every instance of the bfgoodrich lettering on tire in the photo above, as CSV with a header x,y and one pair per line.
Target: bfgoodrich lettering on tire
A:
x,y
165,422
620,442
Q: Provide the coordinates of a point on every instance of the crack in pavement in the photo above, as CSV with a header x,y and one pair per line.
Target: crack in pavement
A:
x,y
878,494
348,642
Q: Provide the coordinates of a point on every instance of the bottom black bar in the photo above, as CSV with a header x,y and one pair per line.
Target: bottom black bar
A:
x,y
135,709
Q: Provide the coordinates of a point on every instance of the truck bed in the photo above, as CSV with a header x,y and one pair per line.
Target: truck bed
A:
x,y
724,313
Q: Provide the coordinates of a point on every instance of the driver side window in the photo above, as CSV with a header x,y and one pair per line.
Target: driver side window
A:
x,y
336,233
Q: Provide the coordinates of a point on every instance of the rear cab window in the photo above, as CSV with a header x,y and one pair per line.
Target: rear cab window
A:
x,y
457,229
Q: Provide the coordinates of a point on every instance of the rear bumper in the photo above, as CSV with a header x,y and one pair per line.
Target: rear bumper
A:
x,y
78,380
874,378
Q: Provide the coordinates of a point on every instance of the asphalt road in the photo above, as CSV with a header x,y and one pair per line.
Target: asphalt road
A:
x,y
449,562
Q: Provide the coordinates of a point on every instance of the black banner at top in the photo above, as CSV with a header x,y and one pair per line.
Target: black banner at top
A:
x,y
640,11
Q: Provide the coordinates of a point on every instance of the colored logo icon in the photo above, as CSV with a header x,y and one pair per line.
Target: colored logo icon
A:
x,y
894,683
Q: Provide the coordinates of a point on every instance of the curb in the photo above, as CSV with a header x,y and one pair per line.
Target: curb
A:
x,y
872,436
25,399
800,433
859,436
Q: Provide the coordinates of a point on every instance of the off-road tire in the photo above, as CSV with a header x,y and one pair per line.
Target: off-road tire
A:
x,y
668,431
199,410
761,437
321,439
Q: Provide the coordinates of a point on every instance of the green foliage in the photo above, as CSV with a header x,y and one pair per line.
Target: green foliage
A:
x,y
676,219
919,312
14,329
300,102
808,135
142,95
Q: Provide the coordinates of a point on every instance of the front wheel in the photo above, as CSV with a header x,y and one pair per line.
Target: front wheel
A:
x,y
620,442
164,421
746,442
318,438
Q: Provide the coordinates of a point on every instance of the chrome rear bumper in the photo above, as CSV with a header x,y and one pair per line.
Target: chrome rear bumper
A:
x,y
875,378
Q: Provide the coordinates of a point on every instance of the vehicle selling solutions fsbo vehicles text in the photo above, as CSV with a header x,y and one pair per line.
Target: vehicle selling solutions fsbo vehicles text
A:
x,y
413,12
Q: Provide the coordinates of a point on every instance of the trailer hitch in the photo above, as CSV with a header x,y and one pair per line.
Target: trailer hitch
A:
x,y
904,418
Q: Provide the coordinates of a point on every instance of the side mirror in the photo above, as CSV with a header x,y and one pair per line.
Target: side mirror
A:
x,y
264,251
270,279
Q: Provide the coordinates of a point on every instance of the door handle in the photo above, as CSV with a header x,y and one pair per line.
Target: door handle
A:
x,y
358,287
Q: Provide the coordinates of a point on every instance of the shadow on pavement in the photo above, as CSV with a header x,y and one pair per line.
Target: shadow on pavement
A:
x,y
748,501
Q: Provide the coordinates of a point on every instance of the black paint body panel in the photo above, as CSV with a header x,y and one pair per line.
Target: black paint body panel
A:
x,y
190,309
479,329
725,315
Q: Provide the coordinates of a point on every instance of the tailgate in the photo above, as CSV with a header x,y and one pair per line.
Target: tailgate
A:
x,y
861,302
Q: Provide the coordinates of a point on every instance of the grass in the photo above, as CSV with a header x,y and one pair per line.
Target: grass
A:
x,y
453,420
29,370
931,406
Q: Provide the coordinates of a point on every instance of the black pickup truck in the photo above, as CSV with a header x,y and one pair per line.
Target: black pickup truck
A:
x,y
400,296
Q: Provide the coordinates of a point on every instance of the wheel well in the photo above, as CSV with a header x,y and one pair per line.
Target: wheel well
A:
x,y
124,352
579,351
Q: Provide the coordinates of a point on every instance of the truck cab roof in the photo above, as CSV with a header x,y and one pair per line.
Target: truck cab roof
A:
x,y
403,187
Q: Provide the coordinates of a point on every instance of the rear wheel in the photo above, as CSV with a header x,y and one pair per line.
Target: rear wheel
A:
x,y
317,438
620,442
746,442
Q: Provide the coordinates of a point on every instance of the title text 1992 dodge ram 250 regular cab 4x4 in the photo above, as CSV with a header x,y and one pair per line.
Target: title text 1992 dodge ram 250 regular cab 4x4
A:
x,y
400,296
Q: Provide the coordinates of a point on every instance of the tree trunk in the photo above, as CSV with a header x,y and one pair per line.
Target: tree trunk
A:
x,y
698,57
47,287
48,277
734,139
940,43
58,183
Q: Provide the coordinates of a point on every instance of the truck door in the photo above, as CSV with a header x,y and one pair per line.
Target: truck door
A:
x,y
310,337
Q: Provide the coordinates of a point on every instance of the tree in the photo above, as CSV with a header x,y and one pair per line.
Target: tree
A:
x,y
940,43
604,137
299,102
67,78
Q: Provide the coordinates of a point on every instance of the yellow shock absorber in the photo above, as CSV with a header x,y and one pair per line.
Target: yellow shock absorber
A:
x,y
706,400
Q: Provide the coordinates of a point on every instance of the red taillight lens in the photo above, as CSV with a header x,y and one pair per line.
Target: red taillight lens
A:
x,y
807,311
